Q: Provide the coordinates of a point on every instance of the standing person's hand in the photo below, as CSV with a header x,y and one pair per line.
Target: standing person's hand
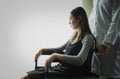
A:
x,y
39,53
101,49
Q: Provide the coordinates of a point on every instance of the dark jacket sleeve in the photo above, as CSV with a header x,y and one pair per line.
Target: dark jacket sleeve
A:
x,y
55,50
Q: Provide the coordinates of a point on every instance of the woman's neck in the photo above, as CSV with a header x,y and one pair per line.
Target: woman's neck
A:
x,y
78,30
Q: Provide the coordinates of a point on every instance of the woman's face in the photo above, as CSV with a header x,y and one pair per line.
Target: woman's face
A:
x,y
74,23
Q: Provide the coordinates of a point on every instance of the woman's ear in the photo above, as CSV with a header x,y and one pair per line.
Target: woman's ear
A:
x,y
79,18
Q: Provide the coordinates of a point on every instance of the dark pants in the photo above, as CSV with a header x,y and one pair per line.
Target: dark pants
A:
x,y
41,74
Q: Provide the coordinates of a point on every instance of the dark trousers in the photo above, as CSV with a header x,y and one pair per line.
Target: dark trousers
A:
x,y
41,74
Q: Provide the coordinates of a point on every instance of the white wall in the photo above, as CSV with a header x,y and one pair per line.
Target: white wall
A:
x,y
28,25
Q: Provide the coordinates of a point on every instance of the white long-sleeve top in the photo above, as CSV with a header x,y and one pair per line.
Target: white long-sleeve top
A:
x,y
107,32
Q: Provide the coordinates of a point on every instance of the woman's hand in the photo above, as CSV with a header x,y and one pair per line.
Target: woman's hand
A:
x,y
49,61
39,53
102,49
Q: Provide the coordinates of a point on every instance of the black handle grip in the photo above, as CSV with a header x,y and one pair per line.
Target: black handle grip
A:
x,y
35,64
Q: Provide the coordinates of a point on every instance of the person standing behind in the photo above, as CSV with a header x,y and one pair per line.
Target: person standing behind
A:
x,y
107,33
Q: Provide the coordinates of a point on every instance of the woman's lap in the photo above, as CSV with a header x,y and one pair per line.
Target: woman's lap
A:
x,y
38,74
41,74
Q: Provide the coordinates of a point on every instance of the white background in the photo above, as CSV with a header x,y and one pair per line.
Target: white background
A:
x,y
27,26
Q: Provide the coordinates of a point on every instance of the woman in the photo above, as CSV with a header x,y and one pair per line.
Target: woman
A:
x,y
76,49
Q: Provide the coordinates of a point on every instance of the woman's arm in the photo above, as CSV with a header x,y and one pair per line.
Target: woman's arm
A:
x,y
49,51
78,60
59,50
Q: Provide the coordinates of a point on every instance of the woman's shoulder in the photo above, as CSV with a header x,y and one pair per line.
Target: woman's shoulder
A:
x,y
88,37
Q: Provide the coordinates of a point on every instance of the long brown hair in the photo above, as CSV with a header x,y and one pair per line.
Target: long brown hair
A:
x,y
80,14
